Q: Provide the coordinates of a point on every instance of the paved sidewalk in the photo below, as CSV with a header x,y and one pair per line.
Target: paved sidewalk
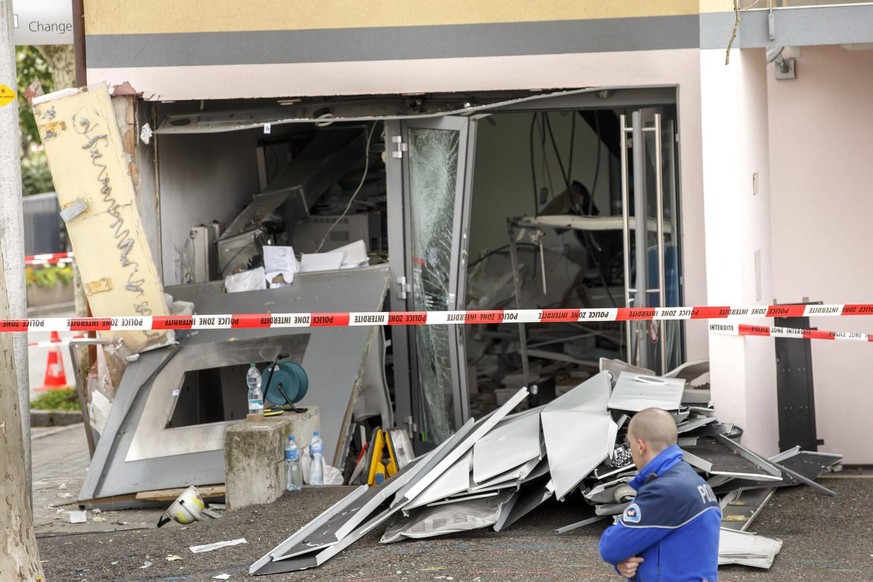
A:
x,y
60,462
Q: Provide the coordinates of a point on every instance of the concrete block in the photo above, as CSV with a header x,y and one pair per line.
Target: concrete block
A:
x,y
254,454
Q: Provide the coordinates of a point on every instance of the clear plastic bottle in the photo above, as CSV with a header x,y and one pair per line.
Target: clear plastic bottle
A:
x,y
256,397
293,471
316,465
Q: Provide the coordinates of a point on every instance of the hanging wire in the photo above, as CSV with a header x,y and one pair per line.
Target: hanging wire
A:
x,y
357,190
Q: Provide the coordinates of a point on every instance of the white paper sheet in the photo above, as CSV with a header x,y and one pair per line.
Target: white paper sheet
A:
x,y
321,262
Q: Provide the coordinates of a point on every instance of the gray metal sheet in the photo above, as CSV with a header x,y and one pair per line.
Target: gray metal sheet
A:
x,y
455,480
743,548
333,359
512,443
634,392
616,367
311,561
447,519
511,478
693,423
726,463
482,427
313,526
578,524
344,520
576,431
523,502
739,509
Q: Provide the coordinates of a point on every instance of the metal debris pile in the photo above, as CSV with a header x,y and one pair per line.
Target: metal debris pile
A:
x,y
494,471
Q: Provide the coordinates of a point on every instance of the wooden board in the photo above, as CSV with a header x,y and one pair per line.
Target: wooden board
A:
x,y
206,491
92,178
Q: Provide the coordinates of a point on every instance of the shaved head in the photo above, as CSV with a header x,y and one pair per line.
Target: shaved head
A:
x,y
654,426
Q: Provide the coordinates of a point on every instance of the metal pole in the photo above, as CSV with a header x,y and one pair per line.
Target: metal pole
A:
x,y
522,331
625,234
640,215
659,194
12,221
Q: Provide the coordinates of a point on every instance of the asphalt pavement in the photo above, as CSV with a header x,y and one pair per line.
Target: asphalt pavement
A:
x,y
825,538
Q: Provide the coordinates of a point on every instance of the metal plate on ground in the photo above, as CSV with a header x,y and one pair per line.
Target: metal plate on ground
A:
x,y
576,431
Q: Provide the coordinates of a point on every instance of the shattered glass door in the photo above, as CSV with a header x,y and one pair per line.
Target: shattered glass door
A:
x,y
436,210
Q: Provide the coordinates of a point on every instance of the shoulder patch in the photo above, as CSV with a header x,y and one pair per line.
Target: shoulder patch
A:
x,y
632,514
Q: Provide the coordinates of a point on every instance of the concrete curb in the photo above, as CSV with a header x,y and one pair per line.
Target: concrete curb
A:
x,y
41,418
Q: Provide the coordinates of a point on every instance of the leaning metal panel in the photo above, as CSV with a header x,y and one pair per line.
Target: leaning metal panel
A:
x,y
512,443
480,429
152,439
576,429
334,361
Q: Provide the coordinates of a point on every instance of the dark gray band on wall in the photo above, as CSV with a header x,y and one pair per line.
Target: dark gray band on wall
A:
x,y
806,26
394,43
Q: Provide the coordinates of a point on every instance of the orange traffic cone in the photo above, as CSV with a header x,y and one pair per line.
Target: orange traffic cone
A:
x,y
55,377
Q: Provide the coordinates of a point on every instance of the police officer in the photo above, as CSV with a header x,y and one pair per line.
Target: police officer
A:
x,y
670,531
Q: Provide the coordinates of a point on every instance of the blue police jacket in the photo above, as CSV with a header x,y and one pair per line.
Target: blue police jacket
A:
x,y
673,524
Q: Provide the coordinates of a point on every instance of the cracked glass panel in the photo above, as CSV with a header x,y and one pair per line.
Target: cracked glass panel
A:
x,y
433,172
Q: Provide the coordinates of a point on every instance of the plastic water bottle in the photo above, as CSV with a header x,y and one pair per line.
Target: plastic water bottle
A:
x,y
293,472
256,397
316,466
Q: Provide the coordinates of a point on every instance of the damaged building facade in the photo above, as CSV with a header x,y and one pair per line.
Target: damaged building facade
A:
x,y
494,156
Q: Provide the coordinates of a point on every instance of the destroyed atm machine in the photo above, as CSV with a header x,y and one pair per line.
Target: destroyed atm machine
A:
x,y
165,427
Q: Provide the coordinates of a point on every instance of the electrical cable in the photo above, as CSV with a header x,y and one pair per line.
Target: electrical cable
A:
x,y
572,143
533,170
358,189
597,162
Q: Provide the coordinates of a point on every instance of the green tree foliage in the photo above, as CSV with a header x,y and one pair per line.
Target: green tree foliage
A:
x,y
35,174
31,66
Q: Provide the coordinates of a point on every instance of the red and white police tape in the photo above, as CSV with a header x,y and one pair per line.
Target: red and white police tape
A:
x,y
352,319
787,332
48,258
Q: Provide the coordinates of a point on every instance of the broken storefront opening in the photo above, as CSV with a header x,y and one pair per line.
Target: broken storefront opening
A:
x,y
411,186
429,181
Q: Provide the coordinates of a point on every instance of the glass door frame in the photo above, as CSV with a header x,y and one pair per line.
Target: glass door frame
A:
x,y
408,392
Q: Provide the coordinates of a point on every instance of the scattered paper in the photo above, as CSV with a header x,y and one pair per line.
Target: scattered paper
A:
x,y
221,577
280,261
145,565
321,262
216,545
253,280
174,558
354,255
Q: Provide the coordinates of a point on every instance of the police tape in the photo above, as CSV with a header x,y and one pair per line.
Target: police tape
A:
x,y
48,259
469,317
739,329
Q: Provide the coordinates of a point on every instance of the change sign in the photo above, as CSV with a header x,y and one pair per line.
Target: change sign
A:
x,y
42,22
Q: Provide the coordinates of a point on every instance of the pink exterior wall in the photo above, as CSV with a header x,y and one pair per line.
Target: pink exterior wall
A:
x,y
821,156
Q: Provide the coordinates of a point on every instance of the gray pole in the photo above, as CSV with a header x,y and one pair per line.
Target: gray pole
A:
x,y
12,221
640,232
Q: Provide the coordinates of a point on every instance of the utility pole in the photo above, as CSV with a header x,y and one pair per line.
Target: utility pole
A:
x,y
19,557
12,220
